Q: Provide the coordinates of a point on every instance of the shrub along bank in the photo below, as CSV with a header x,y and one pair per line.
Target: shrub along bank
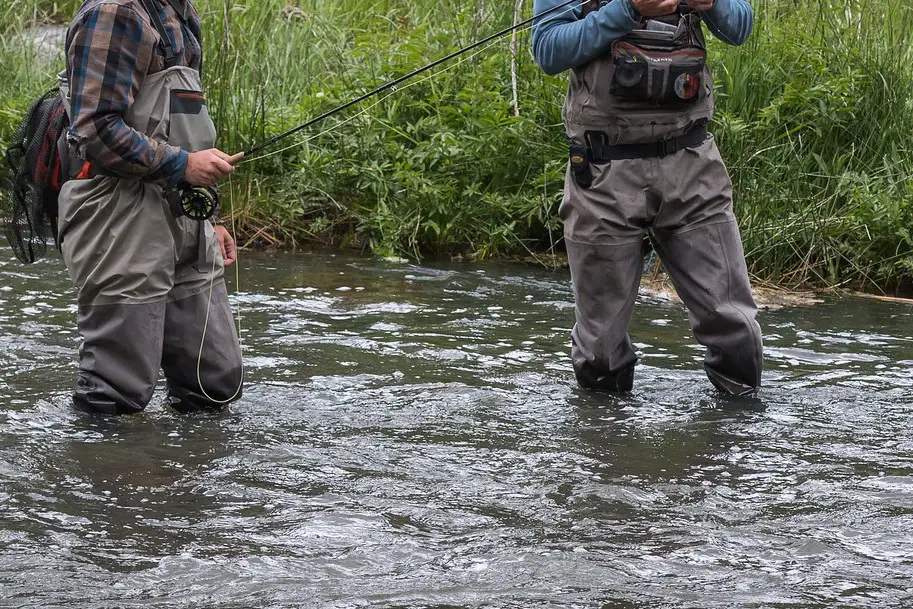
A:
x,y
815,119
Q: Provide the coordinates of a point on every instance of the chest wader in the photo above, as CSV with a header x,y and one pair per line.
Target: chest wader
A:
x,y
144,275
642,163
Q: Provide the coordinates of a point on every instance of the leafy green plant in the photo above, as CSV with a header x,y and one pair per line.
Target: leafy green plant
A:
x,y
814,117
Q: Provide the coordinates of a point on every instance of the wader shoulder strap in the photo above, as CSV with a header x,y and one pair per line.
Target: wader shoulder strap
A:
x,y
171,58
180,7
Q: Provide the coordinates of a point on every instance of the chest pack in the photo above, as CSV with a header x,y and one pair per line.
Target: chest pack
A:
x,y
661,64
650,85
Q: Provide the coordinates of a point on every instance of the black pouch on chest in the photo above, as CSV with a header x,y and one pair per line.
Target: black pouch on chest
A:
x,y
658,68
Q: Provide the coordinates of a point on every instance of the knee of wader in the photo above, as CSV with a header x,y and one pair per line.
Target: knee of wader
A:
x,y
618,381
95,397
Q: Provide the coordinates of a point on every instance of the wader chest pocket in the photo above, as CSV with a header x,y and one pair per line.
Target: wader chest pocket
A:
x,y
657,76
184,101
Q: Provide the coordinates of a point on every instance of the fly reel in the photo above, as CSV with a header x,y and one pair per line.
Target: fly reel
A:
x,y
196,202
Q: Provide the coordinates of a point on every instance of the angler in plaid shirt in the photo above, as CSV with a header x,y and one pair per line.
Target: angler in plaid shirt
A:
x,y
111,48
139,127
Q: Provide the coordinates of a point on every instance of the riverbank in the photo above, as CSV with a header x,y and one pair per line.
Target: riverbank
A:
x,y
656,285
814,116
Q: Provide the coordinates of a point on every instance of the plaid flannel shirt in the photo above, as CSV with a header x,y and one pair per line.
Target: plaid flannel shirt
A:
x,y
111,47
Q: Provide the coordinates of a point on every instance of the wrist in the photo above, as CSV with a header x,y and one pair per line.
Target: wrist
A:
x,y
632,10
181,169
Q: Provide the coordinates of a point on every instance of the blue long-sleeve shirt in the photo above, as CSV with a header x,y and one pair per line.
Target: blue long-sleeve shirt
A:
x,y
562,40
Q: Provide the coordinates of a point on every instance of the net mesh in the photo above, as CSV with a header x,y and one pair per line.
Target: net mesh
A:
x,y
30,179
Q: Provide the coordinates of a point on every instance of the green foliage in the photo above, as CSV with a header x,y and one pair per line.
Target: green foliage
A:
x,y
441,166
815,118
21,13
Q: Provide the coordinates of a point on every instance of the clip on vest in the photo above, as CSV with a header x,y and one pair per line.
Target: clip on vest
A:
x,y
580,166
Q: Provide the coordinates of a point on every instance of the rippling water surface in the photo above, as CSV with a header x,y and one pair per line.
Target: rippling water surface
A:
x,y
411,436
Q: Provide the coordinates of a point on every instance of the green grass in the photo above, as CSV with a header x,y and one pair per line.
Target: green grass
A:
x,y
815,118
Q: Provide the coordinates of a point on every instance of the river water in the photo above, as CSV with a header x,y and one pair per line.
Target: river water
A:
x,y
411,436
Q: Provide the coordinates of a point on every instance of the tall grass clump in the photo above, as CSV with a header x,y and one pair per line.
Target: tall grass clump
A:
x,y
815,118
441,166
26,69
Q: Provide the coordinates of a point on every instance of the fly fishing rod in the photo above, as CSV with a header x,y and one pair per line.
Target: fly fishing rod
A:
x,y
393,83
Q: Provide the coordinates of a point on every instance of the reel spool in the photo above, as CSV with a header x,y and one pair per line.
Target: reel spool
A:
x,y
198,203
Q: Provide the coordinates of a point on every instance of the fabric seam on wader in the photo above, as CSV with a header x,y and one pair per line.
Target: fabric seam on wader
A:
x,y
131,302
616,243
200,290
106,301
685,231
753,325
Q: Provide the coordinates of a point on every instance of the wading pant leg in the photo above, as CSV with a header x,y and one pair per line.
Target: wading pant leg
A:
x,y
605,279
119,357
117,246
201,374
697,238
603,228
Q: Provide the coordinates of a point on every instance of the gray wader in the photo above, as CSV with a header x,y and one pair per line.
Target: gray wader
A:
x,y
651,169
144,276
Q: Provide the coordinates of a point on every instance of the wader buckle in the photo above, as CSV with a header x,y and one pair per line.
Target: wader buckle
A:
x,y
667,147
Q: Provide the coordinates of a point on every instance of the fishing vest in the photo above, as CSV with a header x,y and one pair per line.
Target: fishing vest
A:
x,y
653,84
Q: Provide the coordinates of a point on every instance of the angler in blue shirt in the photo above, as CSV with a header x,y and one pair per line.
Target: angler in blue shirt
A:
x,y
642,164
564,40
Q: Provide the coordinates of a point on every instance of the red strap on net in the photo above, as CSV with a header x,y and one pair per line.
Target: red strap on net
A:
x,y
85,173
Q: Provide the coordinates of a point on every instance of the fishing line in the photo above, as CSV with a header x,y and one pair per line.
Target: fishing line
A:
x,y
485,43
212,283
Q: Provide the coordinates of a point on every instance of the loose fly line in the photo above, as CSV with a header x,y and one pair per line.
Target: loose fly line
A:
x,y
485,44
